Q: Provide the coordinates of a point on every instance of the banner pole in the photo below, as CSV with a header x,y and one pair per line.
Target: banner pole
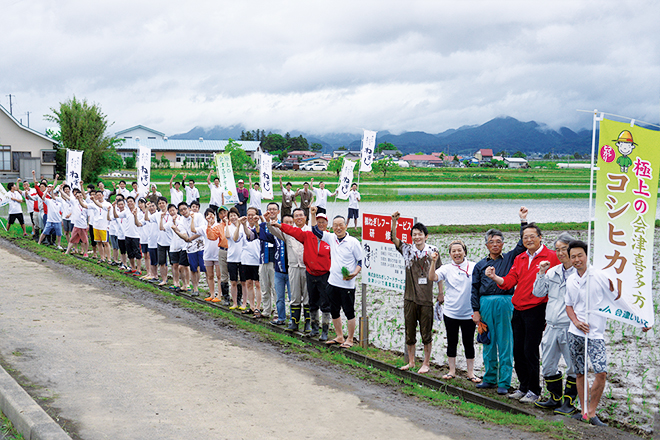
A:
x,y
589,237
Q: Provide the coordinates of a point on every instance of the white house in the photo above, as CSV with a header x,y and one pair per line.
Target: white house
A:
x,y
23,149
139,131
516,162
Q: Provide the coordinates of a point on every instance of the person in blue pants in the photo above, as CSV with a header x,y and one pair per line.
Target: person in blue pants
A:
x,y
493,306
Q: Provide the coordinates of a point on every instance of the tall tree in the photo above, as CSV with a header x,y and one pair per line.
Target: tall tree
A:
x,y
384,146
273,142
240,161
83,127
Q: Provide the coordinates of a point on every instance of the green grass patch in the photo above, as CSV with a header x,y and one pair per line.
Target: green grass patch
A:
x,y
8,430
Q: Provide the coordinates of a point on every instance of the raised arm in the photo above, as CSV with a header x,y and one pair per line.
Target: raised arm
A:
x,y
541,285
393,237
208,178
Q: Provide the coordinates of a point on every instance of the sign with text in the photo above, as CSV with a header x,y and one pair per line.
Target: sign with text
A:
x,y
345,179
383,265
226,176
368,147
626,196
73,168
4,196
266,176
144,170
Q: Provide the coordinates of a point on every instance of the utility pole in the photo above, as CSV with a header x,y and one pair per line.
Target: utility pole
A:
x,y
10,106
28,116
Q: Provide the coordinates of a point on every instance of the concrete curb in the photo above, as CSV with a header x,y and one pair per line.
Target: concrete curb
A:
x,y
27,416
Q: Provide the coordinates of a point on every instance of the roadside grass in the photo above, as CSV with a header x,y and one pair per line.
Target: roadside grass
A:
x,y
292,344
8,430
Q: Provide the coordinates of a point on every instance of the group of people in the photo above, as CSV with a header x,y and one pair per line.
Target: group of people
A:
x,y
526,301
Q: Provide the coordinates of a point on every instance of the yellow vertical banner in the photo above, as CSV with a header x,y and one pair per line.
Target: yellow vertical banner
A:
x,y
627,190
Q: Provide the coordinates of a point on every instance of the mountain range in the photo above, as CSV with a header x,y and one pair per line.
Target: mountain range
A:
x,y
500,134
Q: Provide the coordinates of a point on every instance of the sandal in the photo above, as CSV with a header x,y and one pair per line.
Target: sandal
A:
x,y
448,377
474,379
257,313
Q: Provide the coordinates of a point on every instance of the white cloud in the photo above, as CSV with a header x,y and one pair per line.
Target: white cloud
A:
x,y
333,66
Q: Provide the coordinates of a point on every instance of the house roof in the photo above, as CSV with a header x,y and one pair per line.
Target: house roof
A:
x,y
138,127
486,152
29,130
301,153
421,157
185,145
515,159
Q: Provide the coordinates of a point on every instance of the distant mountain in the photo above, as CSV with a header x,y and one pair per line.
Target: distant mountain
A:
x,y
500,134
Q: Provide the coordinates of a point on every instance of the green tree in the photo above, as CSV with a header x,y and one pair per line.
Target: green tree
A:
x,y
384,166
273,142
519,154
83,127
342,148
164,162
298,144
316,147
130,162
336,164
577,155
240,161
384,146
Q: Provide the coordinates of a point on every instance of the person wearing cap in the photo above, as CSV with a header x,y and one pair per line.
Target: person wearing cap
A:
x,y
288,198
316,256
243,196
551,282
306,197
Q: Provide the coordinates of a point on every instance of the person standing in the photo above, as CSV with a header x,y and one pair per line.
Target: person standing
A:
x,y
235,242
551,282
492,305
418,293
255,196
176,195
243,196
591,327
306,197
457,311
15,208
353,205
211,234
217,196
346,252
288,198
321,195
268,260
280,265
192,193
528,319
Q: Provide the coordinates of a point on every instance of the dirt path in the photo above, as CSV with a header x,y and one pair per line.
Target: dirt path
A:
x,y
120,364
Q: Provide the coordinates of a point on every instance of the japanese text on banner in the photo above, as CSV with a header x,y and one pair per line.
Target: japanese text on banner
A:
x,y
266,176
383,265
4,196
626,196
144,170
368,147
73,168
226,176
345,179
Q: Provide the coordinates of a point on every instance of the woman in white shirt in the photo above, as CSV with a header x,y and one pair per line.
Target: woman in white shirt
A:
x,y
457,277
250,259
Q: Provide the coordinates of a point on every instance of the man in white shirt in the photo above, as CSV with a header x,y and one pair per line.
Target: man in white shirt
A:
x,y
53,202
104,192
255,196
119,190
15,208
346,264
176,195
101,225
132,236
321,195
192,193
353,206
217,197
585,322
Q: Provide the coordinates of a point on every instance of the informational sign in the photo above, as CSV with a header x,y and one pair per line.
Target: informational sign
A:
x,y
266,176
226,176
626,197
73,168
144,170
345,179
383,266
4,196
368,147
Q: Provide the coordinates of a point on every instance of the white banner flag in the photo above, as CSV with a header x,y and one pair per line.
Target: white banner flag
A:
x,y
143,170
4,196
368,148
73,168
226,176
267,176
345,179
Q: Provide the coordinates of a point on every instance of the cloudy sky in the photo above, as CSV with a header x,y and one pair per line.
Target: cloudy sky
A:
x,y
332,66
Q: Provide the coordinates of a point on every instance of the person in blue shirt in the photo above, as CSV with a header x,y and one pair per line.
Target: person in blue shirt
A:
x,y
493,306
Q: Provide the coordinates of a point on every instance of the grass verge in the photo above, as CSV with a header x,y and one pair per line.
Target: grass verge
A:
x,y
8,430
292,344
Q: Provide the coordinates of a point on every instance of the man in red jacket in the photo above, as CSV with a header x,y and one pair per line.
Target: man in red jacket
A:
x,y
316,256
528,319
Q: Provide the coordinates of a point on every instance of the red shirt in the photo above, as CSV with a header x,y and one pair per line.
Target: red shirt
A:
x,y
316,253
523,274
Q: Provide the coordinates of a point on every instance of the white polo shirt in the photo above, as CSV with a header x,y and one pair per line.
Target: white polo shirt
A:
x,y
345,253
576,297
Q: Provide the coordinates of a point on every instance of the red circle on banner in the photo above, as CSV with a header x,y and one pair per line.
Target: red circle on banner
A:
x,y
607,153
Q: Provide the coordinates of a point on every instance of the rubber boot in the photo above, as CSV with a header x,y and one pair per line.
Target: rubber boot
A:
x,y
325,325
553,385
239,294
308,321
315,324
226,299
567,407
295,318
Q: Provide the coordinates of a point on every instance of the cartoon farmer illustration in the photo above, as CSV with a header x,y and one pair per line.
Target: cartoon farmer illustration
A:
x,y
625,145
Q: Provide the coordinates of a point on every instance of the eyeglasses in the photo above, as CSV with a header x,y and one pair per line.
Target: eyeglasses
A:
x,y
529,237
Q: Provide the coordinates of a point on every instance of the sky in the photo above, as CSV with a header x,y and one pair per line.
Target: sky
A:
x,y
332,66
